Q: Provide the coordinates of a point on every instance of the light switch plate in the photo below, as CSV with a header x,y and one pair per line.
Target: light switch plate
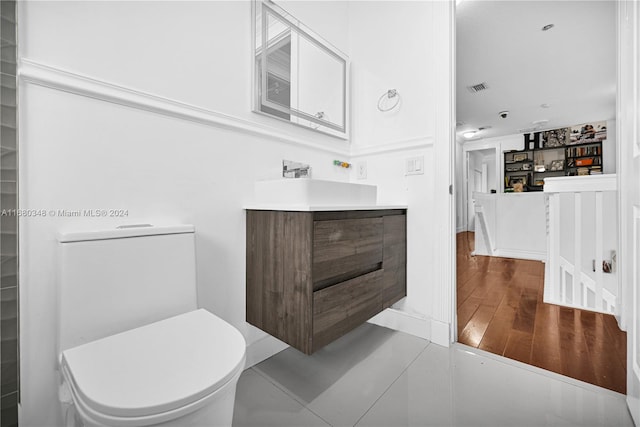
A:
x,y
415,166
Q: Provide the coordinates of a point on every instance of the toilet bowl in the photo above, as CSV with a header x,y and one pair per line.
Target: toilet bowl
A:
x,y
134,350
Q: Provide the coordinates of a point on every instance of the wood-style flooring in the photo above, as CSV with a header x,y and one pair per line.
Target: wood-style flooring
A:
x,y
500,310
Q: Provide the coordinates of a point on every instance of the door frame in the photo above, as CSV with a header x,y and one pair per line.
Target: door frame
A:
x,y
466,192
625,261
628,171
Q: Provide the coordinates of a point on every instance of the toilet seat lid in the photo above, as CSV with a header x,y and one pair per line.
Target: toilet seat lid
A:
x,y
156,368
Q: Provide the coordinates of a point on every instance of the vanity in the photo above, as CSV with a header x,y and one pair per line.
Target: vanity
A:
x,y
316,273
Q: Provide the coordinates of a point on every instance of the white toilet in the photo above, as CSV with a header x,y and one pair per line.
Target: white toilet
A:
x,y
134,350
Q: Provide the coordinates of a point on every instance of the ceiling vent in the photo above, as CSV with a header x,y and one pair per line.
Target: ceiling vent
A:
x,y
478,87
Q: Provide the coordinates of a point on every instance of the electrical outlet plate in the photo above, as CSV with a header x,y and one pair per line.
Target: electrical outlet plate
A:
x,y
361,168
415,166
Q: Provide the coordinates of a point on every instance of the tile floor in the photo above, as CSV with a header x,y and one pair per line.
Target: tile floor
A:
x,y
378,377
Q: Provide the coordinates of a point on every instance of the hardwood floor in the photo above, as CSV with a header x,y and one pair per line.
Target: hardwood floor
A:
x,y
500,310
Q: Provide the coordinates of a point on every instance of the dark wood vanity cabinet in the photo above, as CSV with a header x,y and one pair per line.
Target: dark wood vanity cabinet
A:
x,y
314,276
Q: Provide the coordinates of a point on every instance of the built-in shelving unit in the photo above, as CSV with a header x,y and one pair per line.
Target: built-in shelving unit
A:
x,y
532,166
585,159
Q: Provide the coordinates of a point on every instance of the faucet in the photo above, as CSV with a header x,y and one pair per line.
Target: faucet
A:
x,y
292,169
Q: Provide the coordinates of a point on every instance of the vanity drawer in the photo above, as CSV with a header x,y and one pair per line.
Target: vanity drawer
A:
x,y
342,307
346,247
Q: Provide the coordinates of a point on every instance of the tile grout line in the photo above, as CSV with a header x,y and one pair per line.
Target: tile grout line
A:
x,y
289,394
392,383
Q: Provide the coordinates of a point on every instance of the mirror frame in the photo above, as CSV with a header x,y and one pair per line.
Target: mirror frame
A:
x,y
259,99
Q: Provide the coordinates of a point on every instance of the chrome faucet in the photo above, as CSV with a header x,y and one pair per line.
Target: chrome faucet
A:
x,y
295,170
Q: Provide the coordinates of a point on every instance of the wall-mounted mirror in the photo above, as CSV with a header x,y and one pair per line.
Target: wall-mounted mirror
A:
x,y
305,78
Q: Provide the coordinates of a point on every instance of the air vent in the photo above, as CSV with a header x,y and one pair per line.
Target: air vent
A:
x,y
478,87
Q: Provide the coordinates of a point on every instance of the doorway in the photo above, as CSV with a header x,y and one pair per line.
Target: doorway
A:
x,y
499,300
480,176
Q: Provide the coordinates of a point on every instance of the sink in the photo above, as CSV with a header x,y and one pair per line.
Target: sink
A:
x,y
314,192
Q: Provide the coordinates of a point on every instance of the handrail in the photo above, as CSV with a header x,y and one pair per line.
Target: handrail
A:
x,y
578,184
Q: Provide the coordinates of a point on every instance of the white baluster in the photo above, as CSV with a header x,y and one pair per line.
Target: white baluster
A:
x,y
599,302
577,251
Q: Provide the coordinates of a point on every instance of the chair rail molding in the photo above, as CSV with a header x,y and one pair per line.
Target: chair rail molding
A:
x,y
33,72
416,143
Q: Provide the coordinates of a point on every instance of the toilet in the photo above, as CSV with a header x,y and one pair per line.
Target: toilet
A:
x,y
133,347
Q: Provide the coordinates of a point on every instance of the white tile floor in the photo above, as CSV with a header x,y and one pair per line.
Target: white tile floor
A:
x,y
378,377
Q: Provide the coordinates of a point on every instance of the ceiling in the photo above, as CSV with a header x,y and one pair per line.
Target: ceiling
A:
x,y
570,68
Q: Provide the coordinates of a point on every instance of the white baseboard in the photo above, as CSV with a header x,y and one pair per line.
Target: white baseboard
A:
x,y
263,349
440,333
404,322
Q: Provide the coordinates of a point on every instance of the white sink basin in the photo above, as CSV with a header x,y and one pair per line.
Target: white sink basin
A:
x,y
314,192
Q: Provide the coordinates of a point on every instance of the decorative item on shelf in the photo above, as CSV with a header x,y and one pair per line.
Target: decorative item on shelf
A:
x,y
342,164
588,132
556,165
528,140
527,166
383,102
556,137
539,168
517,179
583,171
538,182
519,157
584,162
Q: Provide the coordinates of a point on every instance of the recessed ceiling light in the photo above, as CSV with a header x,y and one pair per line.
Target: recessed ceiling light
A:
x,y
469,134
547,27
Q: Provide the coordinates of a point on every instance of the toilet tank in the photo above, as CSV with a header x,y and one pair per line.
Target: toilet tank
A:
x,y
110,281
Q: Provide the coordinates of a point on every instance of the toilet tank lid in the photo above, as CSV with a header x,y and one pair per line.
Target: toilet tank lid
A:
x,y
124,231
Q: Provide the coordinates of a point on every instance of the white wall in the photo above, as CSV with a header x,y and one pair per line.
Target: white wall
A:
x,y
146,106
78,152
391,47
516,224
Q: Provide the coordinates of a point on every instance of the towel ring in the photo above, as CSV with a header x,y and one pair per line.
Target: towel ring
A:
x,y
390,94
